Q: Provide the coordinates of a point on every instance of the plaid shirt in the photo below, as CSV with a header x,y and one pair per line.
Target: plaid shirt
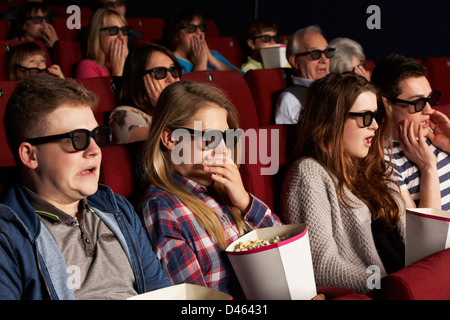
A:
x,y
186,251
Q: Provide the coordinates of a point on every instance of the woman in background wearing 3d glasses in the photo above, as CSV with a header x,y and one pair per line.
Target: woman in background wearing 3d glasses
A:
x,y
184,34
107,46
341,186
196,204
148,70
34,23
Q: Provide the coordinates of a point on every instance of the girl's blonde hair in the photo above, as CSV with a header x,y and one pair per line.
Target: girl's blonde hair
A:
x,y
97,22
176,105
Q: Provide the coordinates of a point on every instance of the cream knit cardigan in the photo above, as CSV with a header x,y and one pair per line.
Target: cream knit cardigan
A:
x,y
342,245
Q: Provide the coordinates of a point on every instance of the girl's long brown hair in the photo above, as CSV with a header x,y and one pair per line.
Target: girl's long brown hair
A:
x,y
176,105
320,136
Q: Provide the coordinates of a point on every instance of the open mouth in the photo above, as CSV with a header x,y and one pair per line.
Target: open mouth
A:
x,y
88,171
368,141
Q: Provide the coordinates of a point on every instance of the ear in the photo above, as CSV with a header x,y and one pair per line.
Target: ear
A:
x,y
293,61
166,139
27,154
251,44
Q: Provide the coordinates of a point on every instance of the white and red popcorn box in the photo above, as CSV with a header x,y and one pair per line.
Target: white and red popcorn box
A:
x,y
427,232
280,271
184,291
274,56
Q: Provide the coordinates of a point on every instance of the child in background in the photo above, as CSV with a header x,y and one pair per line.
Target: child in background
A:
x,y
28,58
261,33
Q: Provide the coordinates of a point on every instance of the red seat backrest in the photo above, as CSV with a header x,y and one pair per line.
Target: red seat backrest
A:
x,y
64,33
279,139
4,29
439,76
370,65
67,53
150,28
234,85
444,108
60,11
6,88
264,84
228,47
102,87
118,170
213,30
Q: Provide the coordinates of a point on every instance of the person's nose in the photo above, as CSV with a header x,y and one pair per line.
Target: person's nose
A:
x,y
93,149
221,149
374,125
428,109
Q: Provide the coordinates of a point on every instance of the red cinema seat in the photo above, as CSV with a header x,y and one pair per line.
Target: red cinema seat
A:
x,y
102,87
426,279
234,85
272,147
439,76
213,30
66,54
228,47
64,33
150,28
264,84
60,11
369,65
6,88
8,174
119,171
4,29
444,108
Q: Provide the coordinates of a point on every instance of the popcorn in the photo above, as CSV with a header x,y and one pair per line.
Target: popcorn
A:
x,y
255,244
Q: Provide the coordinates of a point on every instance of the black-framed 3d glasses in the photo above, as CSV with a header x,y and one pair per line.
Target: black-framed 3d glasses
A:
x,y
267,38
192,28
212,138
368,116
30,71
161,72
419,104
317,54
114,30
81,138
40,19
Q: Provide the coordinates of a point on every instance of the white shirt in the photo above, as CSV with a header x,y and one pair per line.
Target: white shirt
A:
x,y
288,106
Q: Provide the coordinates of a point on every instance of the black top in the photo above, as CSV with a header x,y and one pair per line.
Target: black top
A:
x,y
390,246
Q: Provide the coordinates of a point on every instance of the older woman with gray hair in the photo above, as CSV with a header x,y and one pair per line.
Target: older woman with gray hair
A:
x,y
349,56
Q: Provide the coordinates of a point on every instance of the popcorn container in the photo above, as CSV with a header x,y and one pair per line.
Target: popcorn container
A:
x,y
184,291
279,271
427,232
274,57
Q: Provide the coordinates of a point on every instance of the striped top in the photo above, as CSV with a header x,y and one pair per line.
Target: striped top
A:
x,y
408,174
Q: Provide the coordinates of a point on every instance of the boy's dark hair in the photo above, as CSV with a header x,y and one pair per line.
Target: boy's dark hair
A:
x,y
260,25
391,70
36,97
174,23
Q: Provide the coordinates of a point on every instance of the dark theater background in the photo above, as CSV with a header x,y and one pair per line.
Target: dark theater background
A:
x,y
415,28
